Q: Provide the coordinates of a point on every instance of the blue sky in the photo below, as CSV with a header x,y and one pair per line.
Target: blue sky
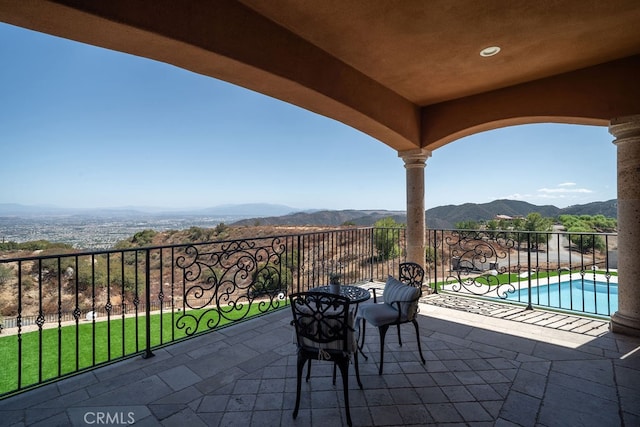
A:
x,y
82,126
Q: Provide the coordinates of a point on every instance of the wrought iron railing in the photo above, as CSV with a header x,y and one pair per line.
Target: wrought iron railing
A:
x,y
68,312
65,313
565,271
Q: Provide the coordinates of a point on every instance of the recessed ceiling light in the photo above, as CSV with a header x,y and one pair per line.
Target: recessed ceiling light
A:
x,y
489,51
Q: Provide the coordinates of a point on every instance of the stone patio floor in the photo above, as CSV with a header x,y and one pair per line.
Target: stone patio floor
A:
x,y
487,364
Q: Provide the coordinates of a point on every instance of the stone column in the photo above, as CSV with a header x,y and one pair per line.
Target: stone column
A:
x,y
415,162
626,130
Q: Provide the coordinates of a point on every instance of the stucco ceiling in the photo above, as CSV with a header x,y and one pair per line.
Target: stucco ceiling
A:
x,y
429,51
407,72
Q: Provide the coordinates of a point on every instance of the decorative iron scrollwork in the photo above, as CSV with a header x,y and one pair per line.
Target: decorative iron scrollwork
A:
x,y
475,262
40,320
227,280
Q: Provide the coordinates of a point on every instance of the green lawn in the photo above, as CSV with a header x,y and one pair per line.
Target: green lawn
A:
x,y
70,348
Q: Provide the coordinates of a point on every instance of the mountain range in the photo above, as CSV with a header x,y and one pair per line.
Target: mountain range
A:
x,y
272,214
443,217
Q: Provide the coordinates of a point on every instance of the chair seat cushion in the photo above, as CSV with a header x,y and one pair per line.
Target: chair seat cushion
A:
x,y
378,314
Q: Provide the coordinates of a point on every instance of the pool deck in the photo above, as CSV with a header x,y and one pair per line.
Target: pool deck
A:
x,y
487,365
602,307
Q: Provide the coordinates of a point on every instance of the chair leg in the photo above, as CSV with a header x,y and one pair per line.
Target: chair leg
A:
x,y
300,366
383,333
363,329
399,336
334,374
415,324
355,363
309,370
344,368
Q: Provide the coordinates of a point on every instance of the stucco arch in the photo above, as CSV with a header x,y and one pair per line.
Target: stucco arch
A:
x,y
590,96
411,75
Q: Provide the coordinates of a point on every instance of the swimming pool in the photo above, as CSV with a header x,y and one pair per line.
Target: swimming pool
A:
x,y
584,296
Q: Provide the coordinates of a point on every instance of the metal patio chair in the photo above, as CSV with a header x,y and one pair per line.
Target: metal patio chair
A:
x,y
324,325
400,306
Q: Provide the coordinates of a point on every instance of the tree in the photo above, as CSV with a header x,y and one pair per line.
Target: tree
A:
x,y
604,224
493,225
467,225
386,235
588,225
598,223
586,241
537,227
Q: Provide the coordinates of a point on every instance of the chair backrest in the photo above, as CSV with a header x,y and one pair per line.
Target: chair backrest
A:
x,y
403,297
322,321
411,274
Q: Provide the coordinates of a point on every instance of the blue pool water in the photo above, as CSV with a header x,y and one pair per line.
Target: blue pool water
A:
x,y
577,295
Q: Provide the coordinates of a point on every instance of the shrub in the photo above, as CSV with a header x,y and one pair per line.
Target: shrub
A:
x,y
271,279
5,274
430,255
143,238
27,283
36,245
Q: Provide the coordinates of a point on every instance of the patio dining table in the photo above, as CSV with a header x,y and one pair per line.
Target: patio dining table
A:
x,y
355,294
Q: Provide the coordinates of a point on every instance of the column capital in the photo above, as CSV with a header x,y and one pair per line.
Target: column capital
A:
x,y
625,128
416,158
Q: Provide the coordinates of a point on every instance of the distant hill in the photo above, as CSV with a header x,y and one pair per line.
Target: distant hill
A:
x,y
265,209
438,217
608,209
448,216
326,217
